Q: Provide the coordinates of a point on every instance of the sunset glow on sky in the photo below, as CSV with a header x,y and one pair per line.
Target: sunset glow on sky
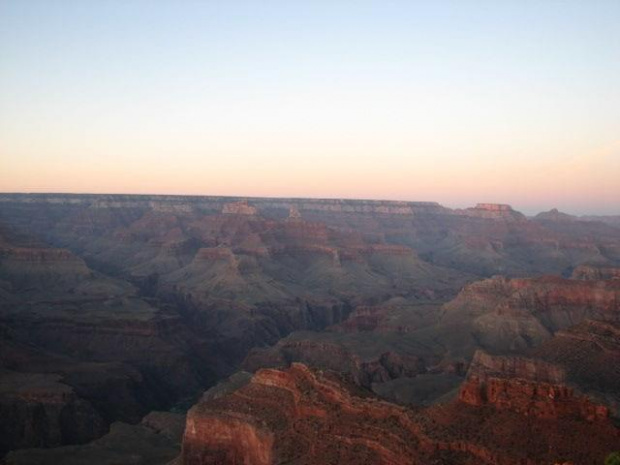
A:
x,y
458,102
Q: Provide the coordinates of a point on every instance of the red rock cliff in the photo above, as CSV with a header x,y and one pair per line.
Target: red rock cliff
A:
x,y
527,386
305,417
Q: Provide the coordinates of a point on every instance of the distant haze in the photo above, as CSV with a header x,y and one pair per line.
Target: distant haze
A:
x,y
457,102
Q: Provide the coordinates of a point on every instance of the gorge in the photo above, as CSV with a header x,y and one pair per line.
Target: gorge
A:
x,y
304,331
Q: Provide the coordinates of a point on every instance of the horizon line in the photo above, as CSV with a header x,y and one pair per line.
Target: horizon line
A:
x,y
241,197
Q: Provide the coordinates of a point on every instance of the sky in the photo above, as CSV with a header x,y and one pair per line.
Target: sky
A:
x,y
457,102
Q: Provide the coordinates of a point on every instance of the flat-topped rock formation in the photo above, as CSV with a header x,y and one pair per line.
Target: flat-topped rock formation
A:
x,y
43,268
493,211
181,203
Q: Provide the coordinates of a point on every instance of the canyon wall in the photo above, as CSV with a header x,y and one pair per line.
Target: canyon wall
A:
x,y
301,416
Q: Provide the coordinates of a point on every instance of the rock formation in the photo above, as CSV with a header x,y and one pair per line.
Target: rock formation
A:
x,y
555,216
331,356
154,441
304,417
527,386
293,213
37,410
135,303
80,350
239,208
493,211
589,354
505,315
596,273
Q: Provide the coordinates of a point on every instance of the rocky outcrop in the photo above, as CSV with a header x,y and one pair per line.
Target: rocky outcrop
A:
x,y
239,208
301,416
485,366
230,440
80,350
527,386
505,315
37,410
298,232
41,268
555,216
493,211
589,354
215,253
60,396
154,441
158,346
364,318
285,416
331,356
318,354
294,214
595,273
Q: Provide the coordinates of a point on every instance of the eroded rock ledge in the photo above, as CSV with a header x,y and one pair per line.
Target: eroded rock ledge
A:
x,y
527,386
300,416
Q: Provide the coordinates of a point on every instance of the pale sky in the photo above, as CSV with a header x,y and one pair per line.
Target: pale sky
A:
x,y
458,102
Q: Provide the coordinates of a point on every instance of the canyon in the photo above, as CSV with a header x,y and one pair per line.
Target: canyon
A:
x,y
339,331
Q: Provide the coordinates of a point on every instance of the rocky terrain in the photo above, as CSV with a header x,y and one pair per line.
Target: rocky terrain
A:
x,y
500,315
589,354
299,416
527,386
154,441
80,350
504,315
114,306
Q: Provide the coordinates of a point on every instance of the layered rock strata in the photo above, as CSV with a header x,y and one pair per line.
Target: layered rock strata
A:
x,y
302,417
